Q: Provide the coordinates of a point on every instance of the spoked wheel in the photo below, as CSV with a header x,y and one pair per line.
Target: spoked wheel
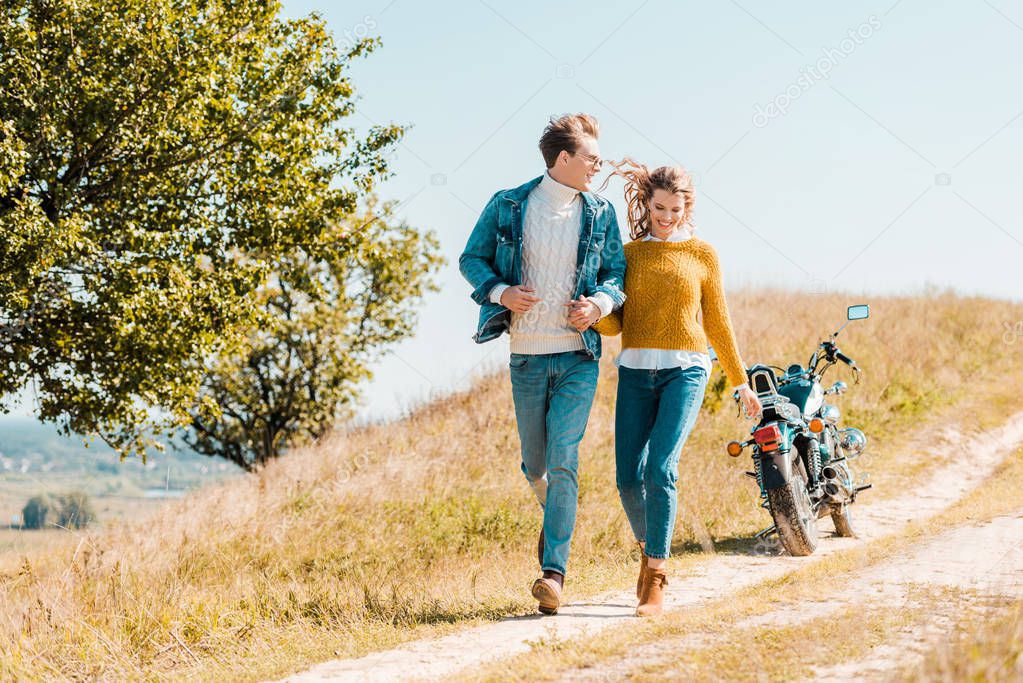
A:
x,y
794,516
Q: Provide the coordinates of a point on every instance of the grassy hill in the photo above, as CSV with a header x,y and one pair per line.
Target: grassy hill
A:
x,y
418,527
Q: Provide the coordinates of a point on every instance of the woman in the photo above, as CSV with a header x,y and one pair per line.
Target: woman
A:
x,y
670,277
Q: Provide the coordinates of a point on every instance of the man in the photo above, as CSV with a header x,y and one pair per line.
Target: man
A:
x,y
545,262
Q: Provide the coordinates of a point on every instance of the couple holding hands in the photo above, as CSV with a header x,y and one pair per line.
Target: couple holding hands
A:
x,y
547,264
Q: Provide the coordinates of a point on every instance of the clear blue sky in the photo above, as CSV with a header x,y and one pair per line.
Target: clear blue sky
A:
x,y
893,172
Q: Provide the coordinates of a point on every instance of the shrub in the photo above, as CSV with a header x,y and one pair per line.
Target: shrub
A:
x,y
75,510
36,512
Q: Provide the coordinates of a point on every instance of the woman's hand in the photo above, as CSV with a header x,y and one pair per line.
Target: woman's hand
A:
x,y
582,313
749,401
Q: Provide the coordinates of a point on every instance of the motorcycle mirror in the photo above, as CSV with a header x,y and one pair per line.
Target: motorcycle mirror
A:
x,y
858,312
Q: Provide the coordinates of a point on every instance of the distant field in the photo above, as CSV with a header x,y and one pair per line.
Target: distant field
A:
x,y
15,541
35,459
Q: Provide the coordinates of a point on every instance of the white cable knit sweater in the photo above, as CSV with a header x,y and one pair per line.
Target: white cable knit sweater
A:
x,y
550,241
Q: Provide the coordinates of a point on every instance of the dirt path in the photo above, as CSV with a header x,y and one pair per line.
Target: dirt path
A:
x,y
986,559
717,576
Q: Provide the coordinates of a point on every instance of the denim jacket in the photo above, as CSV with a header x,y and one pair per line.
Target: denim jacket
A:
x,y
493,255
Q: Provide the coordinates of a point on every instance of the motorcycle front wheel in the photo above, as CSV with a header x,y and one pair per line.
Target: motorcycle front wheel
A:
x,y
794,516
842,517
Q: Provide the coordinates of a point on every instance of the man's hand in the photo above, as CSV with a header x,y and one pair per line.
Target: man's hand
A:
x,y
519,298
749,401
582,313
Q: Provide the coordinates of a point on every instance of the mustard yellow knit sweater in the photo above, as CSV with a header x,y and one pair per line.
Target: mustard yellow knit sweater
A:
x,y
666,285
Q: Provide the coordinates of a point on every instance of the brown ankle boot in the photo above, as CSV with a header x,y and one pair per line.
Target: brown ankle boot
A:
x,y
651,599
547,591
642,573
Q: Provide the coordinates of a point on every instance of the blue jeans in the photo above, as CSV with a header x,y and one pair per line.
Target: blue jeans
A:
x,y
654,414
553,393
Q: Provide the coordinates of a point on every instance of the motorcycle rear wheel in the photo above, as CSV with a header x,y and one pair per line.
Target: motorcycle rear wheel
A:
x,y
794,516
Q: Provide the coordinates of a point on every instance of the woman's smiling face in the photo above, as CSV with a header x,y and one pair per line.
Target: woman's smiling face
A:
x,y
666,212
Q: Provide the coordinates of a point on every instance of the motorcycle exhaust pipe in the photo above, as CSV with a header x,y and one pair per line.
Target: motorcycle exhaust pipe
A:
x,y
835,490
834,487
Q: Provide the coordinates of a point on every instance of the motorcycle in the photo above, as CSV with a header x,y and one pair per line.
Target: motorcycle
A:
x,y
800,453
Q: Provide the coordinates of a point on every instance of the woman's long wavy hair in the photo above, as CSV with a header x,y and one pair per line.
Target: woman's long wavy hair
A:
x,y
640,183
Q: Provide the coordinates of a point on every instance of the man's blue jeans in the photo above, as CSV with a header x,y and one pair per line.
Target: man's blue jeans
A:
x,y
553,393
654,413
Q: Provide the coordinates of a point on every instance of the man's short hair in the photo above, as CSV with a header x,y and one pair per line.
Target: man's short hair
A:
x,y
565,133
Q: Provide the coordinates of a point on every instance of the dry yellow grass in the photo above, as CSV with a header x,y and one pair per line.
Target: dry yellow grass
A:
x,y
397,531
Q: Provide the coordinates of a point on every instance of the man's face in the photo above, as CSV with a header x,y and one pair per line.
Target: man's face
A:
x,y
578,170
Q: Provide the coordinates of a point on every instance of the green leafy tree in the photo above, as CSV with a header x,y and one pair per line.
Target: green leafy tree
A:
x,y
157,159
37,511
75,510
329,314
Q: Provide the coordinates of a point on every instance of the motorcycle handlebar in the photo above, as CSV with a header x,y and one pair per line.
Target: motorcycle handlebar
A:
x,y
844,358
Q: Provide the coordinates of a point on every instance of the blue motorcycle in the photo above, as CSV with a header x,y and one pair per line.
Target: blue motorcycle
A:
x,y
800,453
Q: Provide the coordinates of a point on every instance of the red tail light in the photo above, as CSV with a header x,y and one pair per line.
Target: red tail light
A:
x,y
768,438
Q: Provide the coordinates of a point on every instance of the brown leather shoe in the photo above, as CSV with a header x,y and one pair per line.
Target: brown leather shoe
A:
x,y
539,549
547,592
642,573
651,599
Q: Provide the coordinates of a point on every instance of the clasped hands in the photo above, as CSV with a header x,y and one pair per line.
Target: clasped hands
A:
x,y
581,312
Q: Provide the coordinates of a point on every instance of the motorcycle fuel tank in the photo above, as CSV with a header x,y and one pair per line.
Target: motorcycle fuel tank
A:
x,y
807,395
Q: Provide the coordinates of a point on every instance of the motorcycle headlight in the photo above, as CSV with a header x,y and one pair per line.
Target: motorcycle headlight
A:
x,y
831,413
788,411
853,441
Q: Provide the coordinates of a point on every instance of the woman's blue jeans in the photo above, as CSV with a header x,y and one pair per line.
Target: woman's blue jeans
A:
x,y
553,393
654,414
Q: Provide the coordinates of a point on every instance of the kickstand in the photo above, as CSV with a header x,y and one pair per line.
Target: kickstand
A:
x,y
764,533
